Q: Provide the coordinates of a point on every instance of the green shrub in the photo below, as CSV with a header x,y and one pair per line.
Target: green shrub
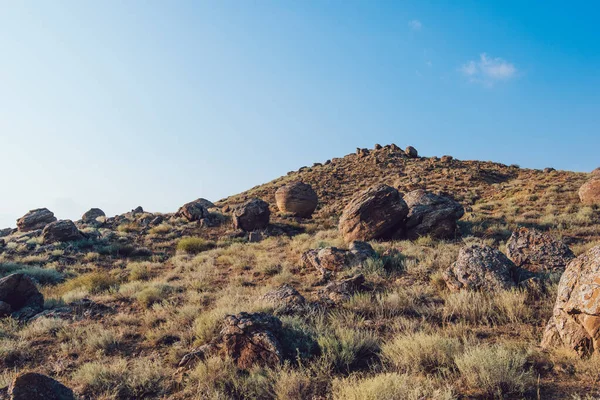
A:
x,y
93,282
346,349
421,353
497,370
389,386
194,245
41,275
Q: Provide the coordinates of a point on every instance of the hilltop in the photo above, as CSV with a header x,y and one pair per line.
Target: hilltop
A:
x,y
237,299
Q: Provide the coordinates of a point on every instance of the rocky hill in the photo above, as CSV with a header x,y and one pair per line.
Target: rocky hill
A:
x,y
381,274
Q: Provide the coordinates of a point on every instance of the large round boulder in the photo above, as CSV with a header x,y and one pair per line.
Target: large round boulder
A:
x,y
92,214
61,231
480,268
538,251
35,219
376,213
193,211
252,215
296,198
411,152
575,322
19,293
34,386
589,193
431,215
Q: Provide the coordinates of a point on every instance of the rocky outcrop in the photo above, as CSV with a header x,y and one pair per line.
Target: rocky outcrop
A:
x,y
376,213
431,215
252,215
296,198
35,219
411,152
595,173
589,193
34,386
480,268
248,339
575,321
285,297
92,214
193,211
19,296
61,231
537,251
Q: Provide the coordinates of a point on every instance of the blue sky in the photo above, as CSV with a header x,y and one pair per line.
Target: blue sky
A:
x,y
116,104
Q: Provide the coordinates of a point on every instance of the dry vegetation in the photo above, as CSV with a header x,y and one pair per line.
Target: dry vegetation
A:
x,y
164,291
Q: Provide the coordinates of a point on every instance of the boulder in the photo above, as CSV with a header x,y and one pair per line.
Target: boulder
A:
x,y
137,210
537,251
340,291
35,219
34,386
480,268
193,211
252,215
6,231
296,198
61,231
20,294
361,250
328,260
589,193
285,297
91,215
549,170
575,322
447,159
595,173
431,215
376,213
411,152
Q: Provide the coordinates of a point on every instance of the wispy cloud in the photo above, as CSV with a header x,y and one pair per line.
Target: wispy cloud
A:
x,y
415,25
488,70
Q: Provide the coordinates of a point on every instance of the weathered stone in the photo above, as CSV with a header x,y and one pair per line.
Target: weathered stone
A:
x,y
296,198
35,219
549,170
61,231
361,250
193,211
340,291
285,297
431,215
480,268
537,251
376,213
6,231
19,291
252,215
328,260
91,215
34,386
411,152
575,322
447,159
589,193
595,173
